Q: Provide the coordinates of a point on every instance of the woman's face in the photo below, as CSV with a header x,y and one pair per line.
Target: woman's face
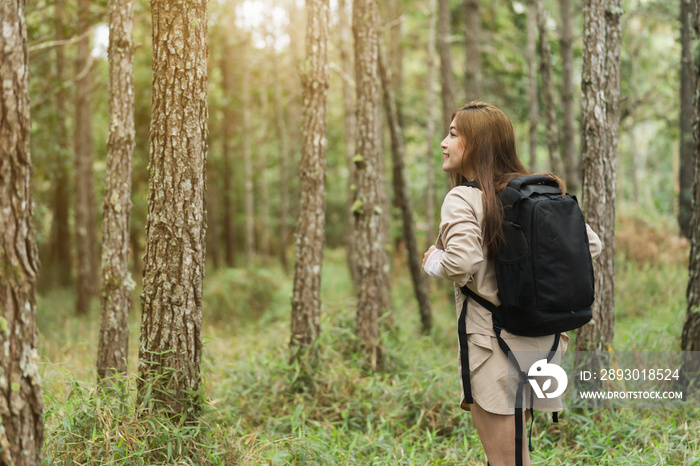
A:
x,y
452,151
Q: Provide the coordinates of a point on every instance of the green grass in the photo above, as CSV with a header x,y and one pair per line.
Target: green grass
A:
x,y
260,409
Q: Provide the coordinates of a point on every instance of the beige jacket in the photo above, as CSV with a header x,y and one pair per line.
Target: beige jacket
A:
x,y
465,262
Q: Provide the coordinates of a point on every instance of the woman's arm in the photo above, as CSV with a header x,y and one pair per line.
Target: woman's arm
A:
x,y
460,234
594,243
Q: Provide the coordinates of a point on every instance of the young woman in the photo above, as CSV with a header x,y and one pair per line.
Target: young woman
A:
x,y
481,147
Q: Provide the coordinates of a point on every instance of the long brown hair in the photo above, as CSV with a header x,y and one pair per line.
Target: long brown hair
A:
x,y
491,159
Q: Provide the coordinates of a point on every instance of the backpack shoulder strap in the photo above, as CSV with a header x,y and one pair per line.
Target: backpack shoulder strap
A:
x,y
484,302
472,184
519,182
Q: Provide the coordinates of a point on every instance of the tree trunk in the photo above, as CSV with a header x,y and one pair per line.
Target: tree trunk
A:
x,y
248,157
568,133
432,149
350,132
229,132
390,10
613,44
691,329
548,91
384,204
22,405
171,346
634,166
284,157
306,301
447,78
600,85
532,80
214,235
367,208
403,200
472,40
85,214
690,340
113,346
61,241
263,206
687,146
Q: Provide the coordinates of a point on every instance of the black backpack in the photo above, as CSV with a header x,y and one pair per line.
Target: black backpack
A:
x,y
544,272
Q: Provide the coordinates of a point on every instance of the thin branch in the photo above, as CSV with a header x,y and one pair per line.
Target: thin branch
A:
x,y
347,78
393,23
58,43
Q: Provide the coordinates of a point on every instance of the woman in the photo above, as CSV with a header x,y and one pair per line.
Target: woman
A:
x,y
481,147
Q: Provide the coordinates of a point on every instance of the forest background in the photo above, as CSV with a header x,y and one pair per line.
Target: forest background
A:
x,y
260,407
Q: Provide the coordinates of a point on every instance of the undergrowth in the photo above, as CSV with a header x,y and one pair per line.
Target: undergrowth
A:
x,y
260,408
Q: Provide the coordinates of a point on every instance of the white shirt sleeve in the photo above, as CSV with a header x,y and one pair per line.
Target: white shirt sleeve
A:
x,y
432,264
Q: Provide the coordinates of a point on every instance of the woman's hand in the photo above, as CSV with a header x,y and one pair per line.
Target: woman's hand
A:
x,y
427,254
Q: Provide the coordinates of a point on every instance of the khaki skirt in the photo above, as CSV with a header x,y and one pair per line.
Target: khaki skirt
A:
x,y
494,378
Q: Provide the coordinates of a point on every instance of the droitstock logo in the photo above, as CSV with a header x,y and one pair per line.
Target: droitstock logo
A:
x,y
542,368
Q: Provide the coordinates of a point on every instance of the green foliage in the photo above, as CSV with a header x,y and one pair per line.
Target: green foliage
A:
x,y
233,296
649,290
263,409
92,425
355,417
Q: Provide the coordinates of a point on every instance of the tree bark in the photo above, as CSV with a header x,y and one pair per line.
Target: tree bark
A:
x,y
403,200
263,205
367,205
214,235
390,11
171,347
85,212
472,39
350,132
113,346
548,91
613,44
570,157
306,301
248,157
600,85
690,340
447,78
229,91
284,160
532,81
432,149
21,401
687,146
61,263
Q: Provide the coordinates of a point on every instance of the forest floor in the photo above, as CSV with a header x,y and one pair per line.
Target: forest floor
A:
x,y
260,409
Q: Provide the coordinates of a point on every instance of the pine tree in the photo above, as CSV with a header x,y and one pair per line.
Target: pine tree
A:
x,y
687,94
690,340
367,206
446,77
171,320
601,96
22,406
116,276
85,212
306,301
472,41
